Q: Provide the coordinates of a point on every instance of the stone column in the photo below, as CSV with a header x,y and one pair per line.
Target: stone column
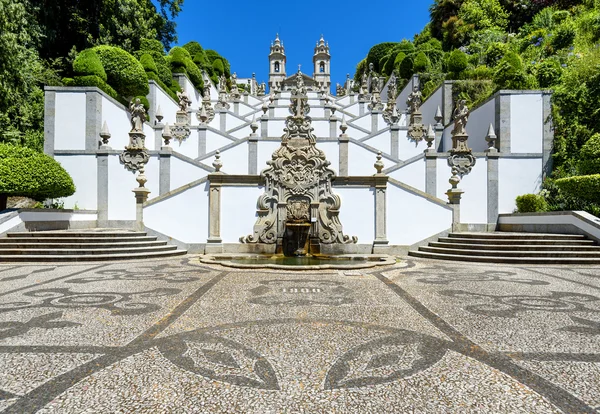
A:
x,y
236,107
380,243
164,183
214,243
351,98
102,185
447,102
394,144
327,111
253,154
332,127
431,173
141,196
223,120
49,121
548,134
202,139
492,189
343,149
361,108
374,121
503,122
264,126
93,119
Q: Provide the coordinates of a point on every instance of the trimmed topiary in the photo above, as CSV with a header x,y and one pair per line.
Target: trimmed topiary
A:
x,y
589,155
585,187
152,45
193,48
124,72
421,63
182,62
531,203
178,56
218,67
163,86
28,173
377,52
509,73
406,67
92,80
457,62
148,63
87,63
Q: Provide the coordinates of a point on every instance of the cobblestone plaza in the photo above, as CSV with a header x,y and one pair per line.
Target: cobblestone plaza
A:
x,y
178,336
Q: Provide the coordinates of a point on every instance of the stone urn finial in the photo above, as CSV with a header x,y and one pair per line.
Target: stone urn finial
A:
x,y
254,125
105,134
167,134
430,137
491,139
344,125
203,115
159,116
379,164
438,116
217,163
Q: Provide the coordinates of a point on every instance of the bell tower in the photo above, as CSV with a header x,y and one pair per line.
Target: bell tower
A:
x,y
277,61
322,64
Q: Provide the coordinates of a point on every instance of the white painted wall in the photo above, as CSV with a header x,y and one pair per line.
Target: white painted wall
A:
x,y
265,151
403,96
473,205
69,124
153,176
430,106
344,101
189,147
183,217
517,176
364,121
361,160
382,142
238,212
526,123
332,152
119,124
408,148
281,112
412,174
193,94
235,159
275,128
412,218
357,213
233,121
216,141
183,173
83,170
355,133
121,199
479,123
168,106
321,128
353,109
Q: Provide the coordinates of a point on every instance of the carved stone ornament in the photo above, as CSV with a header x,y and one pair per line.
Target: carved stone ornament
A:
x,y
461,156
134,159
234,94
390,113
222,101
416,130
206,111
184,101
180,131
298,170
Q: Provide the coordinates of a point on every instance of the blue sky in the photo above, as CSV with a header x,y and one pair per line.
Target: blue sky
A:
x,y
242,31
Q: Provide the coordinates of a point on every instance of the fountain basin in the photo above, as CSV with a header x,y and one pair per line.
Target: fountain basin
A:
x,y
255,261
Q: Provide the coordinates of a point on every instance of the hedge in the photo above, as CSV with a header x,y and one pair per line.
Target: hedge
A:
x,y
589,155
124,72
148,63
377,52
152,45
457,62
193,48
182,62
28,173
585,187
88,63
163,86
531,203
421,63
218,67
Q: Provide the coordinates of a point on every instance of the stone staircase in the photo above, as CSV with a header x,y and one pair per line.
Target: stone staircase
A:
x,y
517,248
83,245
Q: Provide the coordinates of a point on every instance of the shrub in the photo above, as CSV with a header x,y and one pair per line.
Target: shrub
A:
x,y
164,87
585,187
406,67
193,48
398,60
531,203
564,35
421,63
124,72
405,46
457,62
494,53
377,52
509,72
589,162
548,73
88,63
182,62
480,73
148,63
390,63
28,173
152,45
218,67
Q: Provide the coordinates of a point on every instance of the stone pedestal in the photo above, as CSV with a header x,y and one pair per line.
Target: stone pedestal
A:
x,y
102,190
394,144
380,243
141,196
164,184
214,243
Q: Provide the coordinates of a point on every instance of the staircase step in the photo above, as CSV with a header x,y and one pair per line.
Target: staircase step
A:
x,y
528,241
89,258
510,253
74,234
508,260
81,240
511,236
82,245
73,252
526,247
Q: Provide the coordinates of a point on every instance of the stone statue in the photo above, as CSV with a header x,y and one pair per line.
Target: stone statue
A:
x,y
392,88
414,100
461,117
222,83
184,101
138,115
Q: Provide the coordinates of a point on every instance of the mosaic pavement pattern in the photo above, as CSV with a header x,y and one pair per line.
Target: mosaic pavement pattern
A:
x,y
177,336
